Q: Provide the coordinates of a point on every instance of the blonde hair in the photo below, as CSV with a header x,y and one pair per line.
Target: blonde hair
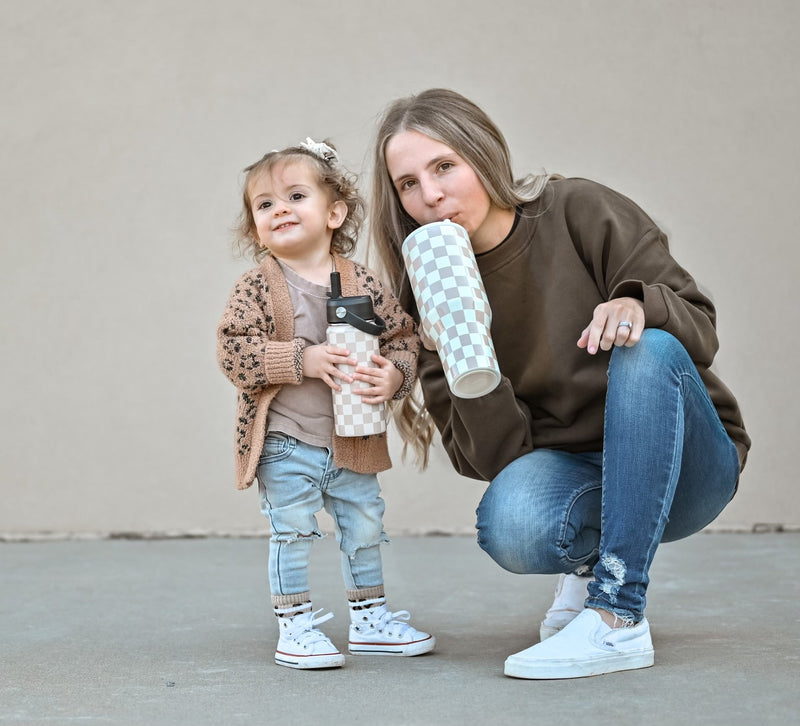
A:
x,y
340,184
457,122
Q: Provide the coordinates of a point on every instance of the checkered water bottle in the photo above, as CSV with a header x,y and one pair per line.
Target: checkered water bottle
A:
x,y
454,309
353,325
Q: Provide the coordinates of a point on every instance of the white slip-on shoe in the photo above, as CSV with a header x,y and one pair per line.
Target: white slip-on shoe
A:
x,y
301,645
376,631
571,591
585,647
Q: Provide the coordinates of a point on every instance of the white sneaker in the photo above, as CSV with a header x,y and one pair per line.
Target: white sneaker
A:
x,y
301,645
585,647
571,591
376,631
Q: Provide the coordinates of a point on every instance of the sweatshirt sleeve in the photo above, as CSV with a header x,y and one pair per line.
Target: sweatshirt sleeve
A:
x,y
462,422
628,256
247,352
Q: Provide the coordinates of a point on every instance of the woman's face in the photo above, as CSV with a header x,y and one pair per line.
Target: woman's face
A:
x,y
434,183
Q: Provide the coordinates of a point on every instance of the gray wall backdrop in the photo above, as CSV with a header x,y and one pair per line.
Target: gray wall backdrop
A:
x,y
124,130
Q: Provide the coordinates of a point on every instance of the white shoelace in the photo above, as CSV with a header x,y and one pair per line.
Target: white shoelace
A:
x,y
304,631
394,619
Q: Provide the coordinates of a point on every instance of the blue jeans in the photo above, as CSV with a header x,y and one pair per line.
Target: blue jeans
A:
x,y
667,469
295,481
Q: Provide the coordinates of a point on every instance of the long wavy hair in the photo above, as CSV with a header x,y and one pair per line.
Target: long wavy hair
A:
x,y
457,122
340,183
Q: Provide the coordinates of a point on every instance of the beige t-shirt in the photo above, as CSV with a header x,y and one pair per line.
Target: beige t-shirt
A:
x,y
305,411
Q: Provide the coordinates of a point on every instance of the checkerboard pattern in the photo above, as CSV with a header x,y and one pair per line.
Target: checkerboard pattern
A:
x,y
353,417
454,309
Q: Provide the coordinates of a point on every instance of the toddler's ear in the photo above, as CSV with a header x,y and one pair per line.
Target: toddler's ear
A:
x,y
337,214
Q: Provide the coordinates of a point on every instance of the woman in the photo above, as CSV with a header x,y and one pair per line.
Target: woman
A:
x,y
608,432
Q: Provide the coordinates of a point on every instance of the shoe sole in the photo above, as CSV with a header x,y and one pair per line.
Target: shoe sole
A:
x,y
555,669
309,662
408,649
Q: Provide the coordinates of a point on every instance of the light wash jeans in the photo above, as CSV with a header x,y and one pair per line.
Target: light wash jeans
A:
x,y
295,481
667,469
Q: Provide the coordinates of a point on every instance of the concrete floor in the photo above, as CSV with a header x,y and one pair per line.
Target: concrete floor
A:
x,y
179,632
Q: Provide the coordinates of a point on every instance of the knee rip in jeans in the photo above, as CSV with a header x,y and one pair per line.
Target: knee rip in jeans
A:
x,y
351,552
290,537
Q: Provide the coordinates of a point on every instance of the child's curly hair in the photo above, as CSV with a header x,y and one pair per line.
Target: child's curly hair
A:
x,y
341,184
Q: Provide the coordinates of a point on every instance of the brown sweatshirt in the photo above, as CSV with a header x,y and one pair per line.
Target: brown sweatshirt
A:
x,y
578,245
257,351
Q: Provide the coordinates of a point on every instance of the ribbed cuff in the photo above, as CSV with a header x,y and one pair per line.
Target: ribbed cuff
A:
x,y
283,361
409,379
365,593
298,602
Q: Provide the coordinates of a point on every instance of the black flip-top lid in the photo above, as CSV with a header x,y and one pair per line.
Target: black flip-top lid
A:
x,y
355,310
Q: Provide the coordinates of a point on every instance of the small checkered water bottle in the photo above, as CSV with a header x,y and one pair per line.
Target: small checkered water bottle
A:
x,y
353,325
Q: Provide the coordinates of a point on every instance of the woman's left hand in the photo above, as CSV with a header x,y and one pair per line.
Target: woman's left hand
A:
x,y
617,322
382,382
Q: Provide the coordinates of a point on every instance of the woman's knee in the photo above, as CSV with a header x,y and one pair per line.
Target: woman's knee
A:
x,y
657,351
512,533
541,513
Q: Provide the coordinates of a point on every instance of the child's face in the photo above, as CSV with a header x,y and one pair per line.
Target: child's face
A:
x,y
293,214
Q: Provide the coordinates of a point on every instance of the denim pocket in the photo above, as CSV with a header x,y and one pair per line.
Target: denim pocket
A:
x,y
277,446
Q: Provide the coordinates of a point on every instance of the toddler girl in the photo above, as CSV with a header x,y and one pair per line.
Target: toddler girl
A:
x,y
300,221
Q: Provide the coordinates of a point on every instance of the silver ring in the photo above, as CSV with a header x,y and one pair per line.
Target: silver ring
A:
x,y
625,324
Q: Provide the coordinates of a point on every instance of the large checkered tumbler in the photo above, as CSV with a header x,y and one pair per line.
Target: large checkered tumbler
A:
x,y
453,307
352,324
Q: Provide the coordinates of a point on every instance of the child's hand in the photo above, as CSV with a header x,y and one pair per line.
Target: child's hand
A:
x,y
320,361
382,382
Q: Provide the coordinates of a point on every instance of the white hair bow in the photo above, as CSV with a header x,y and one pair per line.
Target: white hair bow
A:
x,y
320,149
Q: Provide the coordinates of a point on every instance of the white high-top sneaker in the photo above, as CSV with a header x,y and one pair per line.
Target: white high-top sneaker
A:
x,y
301,645
376,631
571,591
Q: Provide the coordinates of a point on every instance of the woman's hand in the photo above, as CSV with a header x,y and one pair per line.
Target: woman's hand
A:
x,y
616,322
321,361
382,382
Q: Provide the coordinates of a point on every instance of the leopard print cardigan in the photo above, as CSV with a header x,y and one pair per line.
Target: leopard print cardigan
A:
x,y
257,351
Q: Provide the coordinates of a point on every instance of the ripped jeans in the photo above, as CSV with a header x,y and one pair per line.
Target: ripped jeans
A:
x,y
295,481
667,469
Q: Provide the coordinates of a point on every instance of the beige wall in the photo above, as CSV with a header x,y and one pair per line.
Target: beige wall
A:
x,y
125,125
